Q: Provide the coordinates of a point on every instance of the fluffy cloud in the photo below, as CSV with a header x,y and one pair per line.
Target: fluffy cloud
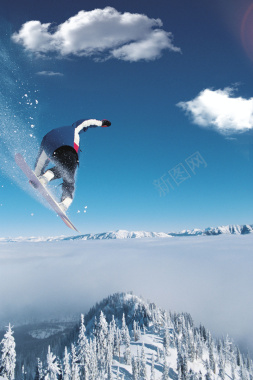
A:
x,y
220,110
101,33
50,73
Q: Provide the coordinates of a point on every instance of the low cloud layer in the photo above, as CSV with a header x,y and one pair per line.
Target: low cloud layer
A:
x,y
101,34
219,109
206,276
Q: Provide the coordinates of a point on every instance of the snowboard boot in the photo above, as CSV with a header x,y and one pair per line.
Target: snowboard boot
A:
x,y
65,203
46,177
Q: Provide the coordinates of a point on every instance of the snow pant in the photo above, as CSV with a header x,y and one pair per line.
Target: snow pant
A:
x,y
65,160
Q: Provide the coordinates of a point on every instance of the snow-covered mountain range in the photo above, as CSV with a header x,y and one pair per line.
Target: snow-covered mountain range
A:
x,y
123,234
125,337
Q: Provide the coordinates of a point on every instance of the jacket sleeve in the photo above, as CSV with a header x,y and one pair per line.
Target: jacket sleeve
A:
x,y
85,124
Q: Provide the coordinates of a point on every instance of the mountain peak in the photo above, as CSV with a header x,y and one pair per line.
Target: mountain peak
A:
x,y
124,234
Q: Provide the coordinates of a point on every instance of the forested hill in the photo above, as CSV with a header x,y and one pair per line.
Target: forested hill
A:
x,y
125,337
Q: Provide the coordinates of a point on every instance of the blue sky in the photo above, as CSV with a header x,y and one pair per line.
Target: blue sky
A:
x,y
174,90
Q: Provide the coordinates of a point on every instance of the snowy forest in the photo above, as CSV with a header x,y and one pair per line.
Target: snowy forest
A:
x,y
124,337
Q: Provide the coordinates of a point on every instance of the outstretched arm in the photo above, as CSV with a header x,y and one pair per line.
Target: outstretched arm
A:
x,y
90,123
83,125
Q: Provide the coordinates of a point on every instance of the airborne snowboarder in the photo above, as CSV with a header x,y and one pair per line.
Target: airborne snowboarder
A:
x,y
61,147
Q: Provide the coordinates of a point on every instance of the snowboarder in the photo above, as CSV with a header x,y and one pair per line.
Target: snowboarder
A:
x,y
61,147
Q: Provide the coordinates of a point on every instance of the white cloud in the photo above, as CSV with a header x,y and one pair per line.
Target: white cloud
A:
x,y
101,33
50,73
220,110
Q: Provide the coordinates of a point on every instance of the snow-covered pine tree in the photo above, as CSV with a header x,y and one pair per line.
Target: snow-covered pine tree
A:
x,y
102,335
66,365
242,373
211,358
117,343
134,369
112,325
8,361
83,353
93,360
238,357
221,368
152,374
135,331
166,340
123,329
112,334
158,356
232,370
165,375
23,373
95,325
227,348
118,375
143,370
208,375
53,369
191,348
39,370
109,358
185,368
199,346
179,364
127,353
74,364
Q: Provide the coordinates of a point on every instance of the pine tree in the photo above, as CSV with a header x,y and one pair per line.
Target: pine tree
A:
x,y
166,341
74,364
53,369
112,335
179,363
117,378
8,362
221,368
211,359
232,370
184,368
135,331
152,375
135,369
127,354
165,375
208,375
83,353
39,371
117,343
102,328
158,358
109,359
23,373
66,366
242,373
113,325
93,361
123,329
238,357
143,370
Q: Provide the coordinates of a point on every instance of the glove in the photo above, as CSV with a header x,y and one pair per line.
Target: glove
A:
x,y
105,123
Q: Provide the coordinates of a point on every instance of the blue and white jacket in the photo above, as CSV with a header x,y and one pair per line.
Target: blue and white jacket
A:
x,y
63,136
